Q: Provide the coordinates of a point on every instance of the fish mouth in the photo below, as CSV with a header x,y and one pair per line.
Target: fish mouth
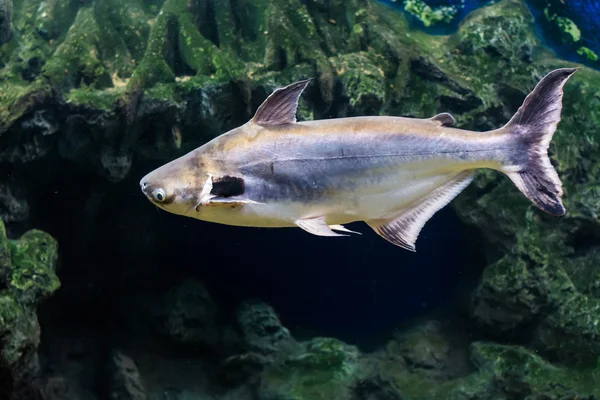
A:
x,y
146,188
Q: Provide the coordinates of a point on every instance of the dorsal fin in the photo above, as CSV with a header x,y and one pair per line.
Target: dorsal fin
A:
x,y
280,107
443,119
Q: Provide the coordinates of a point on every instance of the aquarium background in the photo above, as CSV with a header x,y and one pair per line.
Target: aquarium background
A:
x,y
103,296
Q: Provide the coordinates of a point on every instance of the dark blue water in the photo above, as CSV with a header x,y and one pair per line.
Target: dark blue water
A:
x,y
584,13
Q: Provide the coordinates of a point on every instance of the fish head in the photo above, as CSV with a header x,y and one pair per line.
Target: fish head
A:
x,y
176,186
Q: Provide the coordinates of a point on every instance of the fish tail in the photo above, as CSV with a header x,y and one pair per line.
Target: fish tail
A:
x,y
534,123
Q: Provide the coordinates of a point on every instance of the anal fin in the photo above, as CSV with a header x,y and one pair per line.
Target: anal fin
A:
x,y
318,226
403,229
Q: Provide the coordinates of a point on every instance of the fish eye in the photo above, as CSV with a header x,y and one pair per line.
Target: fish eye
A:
x,y
160,195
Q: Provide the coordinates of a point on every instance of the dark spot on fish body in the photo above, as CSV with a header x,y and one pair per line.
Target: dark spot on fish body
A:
x,y
228,186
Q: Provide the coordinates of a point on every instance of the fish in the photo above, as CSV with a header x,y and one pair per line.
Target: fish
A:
x,y
392,173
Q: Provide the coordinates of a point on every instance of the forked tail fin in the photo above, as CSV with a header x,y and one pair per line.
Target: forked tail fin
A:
x,y
535,122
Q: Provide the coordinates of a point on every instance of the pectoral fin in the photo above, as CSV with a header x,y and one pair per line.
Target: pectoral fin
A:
x,y
404,228
225,202
318,226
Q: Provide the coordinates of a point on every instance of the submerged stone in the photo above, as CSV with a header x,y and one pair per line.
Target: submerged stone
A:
x,y
28,267
6,10
322,369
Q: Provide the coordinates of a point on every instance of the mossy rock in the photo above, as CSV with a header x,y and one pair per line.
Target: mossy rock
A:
x,y
34,258
517,372
498,372
428,15
363,79
29,267
322,370
5,257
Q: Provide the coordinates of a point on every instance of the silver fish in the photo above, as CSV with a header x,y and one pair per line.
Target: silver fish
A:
x,y
393,173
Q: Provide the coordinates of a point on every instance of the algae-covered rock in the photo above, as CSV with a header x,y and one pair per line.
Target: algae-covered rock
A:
x,y
27,266
495,372
5,21
124,381
34,258
189,316
427,15
515,372
261,328
322,369
363,79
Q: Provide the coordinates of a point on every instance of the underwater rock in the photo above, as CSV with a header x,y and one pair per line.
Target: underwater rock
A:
x,y
428,15
261,328
125,382
28,268
361,75
72,366
320,369
57,388
13,205
516,372
435,348
6,10
189,315
375,388
264,341
495,371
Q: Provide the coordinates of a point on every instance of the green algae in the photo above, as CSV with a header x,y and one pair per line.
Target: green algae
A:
x,y
99,99
526,373
363,78
587,53
17,100
427,15
77,58
10,312
197,52
322,370
52,18
499,372
29,268
34,258
565,25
